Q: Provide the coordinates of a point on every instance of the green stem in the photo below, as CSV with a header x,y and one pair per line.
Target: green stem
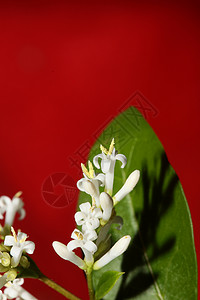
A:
x,y
58,288
90,285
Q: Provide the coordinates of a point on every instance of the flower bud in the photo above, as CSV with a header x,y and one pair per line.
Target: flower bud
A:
x,y
5,259
118,249
24,262
89,188
106,203
64,253
11,274
128,186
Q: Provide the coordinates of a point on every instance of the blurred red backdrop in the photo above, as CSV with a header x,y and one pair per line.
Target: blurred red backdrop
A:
x,y
66,70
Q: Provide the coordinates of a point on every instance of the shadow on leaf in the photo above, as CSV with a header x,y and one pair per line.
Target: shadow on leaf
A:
x,y
158,196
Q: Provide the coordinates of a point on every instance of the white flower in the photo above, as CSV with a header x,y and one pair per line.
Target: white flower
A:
x,y
88,217
14,290
85,242
64,253
106,203
118,249
91,182
11,288
128,186
108,159
80,240
11,207
19,245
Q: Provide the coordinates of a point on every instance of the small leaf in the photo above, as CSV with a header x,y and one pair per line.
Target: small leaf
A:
x,y
106,283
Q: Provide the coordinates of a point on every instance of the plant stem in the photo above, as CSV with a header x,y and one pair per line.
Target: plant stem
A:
x,y
58,288
90,285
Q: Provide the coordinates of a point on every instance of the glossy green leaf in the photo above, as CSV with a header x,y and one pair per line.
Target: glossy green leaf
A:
x,y
161,260
106,283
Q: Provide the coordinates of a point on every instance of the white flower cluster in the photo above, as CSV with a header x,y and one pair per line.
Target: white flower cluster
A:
x,y
13,248
94,218
16,291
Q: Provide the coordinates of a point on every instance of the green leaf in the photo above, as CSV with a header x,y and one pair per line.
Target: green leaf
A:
x,y
161,260
106,283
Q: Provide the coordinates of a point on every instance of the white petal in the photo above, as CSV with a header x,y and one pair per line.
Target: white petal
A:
x,y
9,240
23,294
61,250
22,213
90,246
90,235
89,188
91,225
75,234
101,178
96,160
121,158
73,245
29,247
11,292
105,165
5,200
64,253
94,223
88,256
17,203
106,203
84,228
80,184
16,253
97,213
85,207
18,281
79,218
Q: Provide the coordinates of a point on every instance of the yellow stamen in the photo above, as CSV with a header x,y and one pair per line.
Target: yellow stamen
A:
x,y
23,240
84,169
89,173
103,149
91,170
14,234
108,152
111,146
18,194
79,235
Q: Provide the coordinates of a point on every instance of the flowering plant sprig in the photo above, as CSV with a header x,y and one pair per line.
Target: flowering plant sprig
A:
x,y
15,249
95,218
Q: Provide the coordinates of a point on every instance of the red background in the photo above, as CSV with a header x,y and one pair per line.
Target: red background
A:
x,y
65,69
